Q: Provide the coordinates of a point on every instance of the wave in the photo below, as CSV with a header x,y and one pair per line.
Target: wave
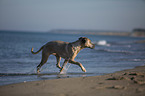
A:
x,y
113,51
114,47
138,59
108,44
102,43
134,60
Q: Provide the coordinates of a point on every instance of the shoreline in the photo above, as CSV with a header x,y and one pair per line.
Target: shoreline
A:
x,y
129,82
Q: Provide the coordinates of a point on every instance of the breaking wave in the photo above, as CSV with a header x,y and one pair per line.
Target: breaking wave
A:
x,y
102,43
113,51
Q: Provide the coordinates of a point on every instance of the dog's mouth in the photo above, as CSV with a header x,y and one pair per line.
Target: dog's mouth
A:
x,y
93,46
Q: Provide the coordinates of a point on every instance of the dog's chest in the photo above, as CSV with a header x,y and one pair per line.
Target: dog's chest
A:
x,y
75,49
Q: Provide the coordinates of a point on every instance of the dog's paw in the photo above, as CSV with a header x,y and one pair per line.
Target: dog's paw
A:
x,y
83,69
38,71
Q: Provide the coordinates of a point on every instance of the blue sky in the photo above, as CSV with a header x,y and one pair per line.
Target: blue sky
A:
x,y
44,15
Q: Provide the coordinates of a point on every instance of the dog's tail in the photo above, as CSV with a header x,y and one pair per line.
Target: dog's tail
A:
x,y
37,51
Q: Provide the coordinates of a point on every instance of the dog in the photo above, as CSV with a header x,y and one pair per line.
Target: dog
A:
x,y
65,50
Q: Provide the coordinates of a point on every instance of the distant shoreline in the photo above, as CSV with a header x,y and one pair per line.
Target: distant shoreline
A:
x,y
134,33
91,32
97,33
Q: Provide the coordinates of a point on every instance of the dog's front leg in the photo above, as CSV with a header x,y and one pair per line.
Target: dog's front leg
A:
x,y
64,64
79,64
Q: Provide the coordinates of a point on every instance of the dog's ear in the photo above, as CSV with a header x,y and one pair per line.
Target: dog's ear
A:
x,y
80,38
83,39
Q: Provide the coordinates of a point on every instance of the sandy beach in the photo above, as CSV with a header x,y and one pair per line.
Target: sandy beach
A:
x,y
129,82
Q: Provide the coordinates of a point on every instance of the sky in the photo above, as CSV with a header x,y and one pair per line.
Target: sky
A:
x,y
45,15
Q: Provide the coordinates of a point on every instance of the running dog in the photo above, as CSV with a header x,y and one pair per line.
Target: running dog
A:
x,y
66,50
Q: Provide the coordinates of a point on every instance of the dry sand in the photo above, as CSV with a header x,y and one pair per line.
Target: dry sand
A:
x,y
124,83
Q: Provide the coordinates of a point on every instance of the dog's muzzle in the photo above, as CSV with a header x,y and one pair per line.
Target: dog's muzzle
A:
x,y
93,46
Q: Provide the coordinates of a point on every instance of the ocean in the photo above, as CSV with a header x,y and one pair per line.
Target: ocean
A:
x,y
111,54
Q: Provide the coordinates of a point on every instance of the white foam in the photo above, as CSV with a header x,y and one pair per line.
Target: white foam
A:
x,y
65,69
103,43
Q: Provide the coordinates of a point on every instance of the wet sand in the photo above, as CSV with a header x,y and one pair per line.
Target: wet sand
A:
x,y
129,82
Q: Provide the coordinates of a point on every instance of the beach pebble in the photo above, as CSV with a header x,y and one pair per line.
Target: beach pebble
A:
x,y
132,78
62,95
113,78
118,78
125,74
117,87
101,83
136,73
140,90
139,82
98,87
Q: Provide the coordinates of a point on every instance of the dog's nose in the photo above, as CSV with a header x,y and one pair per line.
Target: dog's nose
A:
x,y
93,46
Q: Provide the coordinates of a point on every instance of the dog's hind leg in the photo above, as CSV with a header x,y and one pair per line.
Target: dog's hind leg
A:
x,y
43,61
58,58
64,64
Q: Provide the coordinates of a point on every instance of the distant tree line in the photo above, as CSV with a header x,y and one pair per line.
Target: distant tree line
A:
x,y
138,32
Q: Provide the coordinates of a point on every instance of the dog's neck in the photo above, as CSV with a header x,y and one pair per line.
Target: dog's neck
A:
x,y
76,46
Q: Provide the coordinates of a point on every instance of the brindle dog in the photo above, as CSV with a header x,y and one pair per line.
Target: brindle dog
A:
x,y
66,50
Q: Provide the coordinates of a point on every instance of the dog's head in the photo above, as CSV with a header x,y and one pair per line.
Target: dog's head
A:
x,y
86,43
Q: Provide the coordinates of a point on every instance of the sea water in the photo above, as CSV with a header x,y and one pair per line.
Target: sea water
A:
x,y
111,54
